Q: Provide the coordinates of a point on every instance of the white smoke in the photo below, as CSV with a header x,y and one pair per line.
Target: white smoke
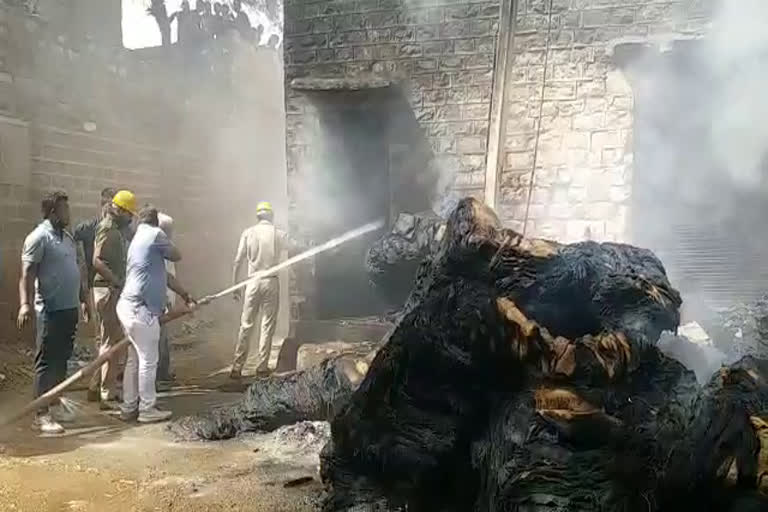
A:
x,y
738,47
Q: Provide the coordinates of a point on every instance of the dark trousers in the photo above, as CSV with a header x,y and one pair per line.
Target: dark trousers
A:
x,y
55,338
164,360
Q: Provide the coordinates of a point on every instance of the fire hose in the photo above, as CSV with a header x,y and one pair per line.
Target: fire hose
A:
x,y
53,394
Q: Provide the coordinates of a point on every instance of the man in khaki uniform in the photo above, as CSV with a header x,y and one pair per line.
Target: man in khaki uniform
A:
x,y
109,255
261,245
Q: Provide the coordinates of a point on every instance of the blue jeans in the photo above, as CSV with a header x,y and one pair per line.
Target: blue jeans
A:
x,y
55,339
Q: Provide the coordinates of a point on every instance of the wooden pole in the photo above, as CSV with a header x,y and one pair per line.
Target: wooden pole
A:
x,y
54,393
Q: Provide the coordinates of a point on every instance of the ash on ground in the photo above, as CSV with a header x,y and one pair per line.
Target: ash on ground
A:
x,y
299,443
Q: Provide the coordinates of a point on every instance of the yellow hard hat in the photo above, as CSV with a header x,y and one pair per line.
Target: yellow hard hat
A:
x,y
264,206
125,200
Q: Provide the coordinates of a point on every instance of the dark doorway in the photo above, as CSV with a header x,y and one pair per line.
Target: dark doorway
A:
x,y
350,188
688,206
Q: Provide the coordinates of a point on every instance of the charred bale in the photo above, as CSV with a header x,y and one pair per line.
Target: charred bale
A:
x,y
393,261
724,447
494,315
525,375
313,394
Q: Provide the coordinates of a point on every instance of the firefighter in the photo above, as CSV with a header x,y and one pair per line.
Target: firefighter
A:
x,y
261,246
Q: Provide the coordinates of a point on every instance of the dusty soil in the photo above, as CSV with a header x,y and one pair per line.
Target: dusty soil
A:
x,y
101,463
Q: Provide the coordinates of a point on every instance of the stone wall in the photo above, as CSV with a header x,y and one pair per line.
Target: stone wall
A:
x,y
438,57
183,131
583,176
440,52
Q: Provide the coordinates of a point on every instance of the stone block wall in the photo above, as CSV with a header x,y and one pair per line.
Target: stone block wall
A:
x,y
583,175
440,52
437,54
571,140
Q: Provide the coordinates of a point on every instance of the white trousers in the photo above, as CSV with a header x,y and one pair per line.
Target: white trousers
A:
x,y
143,329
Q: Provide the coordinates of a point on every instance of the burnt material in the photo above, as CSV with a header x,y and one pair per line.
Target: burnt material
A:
x,y
392,262
524,376
743,329
312,394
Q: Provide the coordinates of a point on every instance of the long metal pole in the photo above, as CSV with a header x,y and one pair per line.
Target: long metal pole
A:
x,y
48,397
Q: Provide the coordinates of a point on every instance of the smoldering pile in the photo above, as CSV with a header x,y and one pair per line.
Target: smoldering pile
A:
x,y
525,376
393,261
314,394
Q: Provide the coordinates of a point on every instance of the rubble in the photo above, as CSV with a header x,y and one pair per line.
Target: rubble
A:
x,y
525,375
313,394
313,354
743,329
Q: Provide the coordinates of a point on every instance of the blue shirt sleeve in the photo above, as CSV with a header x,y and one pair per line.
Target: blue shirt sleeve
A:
x,y
162,243
34,247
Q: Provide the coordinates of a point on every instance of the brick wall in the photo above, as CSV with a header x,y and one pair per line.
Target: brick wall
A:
x,y
79,115
583,176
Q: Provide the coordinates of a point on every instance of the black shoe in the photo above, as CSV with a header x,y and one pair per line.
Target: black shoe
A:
x,y
110,405
163,385
130,416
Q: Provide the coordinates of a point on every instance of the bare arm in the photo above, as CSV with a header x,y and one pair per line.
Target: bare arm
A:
x,y
176,286
173,254
27,283
85,304
83,275
26,292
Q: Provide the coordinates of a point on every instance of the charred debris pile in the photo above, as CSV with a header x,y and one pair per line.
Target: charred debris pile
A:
x,y
314,394
523,375
393,261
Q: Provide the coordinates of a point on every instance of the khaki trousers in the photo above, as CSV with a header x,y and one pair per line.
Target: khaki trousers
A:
x,y
110,332
263,297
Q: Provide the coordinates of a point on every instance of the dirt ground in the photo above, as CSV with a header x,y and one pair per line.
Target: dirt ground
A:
x,y
102,464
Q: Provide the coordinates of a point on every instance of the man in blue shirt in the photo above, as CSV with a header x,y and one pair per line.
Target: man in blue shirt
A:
x,y
141,304
50,273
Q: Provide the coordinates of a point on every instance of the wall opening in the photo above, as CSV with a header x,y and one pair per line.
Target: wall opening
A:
x,y
370,160
351,187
